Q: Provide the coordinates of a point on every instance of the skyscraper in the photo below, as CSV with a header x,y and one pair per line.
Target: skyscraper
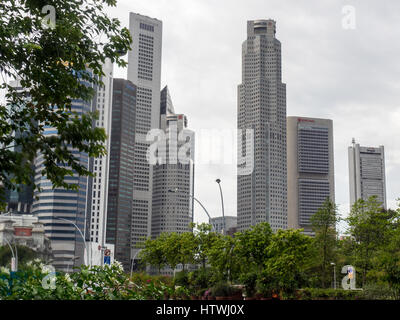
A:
x,y
97,202
262,195
120,189
367,173
173,180
144,71
310,169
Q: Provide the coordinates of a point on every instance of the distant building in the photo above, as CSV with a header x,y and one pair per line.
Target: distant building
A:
x,y
173,180
230,224
121,180
310,164
367,173
25,230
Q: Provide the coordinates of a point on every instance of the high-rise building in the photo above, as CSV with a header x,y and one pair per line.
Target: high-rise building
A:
x,y
310,169
262,195
61,210
120,189
144,71
97,218
367,173
173,179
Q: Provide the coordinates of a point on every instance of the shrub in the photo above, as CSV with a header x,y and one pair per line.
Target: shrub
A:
x,y
377,291
181,279
249,280
221,289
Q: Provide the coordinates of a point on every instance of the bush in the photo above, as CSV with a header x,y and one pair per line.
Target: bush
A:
x,y
222,289
200,279
377,291
334,294
249,280
181,279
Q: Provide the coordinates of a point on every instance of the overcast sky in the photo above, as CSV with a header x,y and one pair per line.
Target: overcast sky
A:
x,y
348,75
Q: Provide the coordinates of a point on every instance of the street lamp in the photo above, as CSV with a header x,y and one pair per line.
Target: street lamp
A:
x,y
334,275
205,210
133,259
222,202
80,232
14,257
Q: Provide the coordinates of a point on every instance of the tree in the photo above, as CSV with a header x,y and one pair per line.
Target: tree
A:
x,y
153,252
370,226
177,248
25,254
58,59
289,254
204,239
324,225
223,258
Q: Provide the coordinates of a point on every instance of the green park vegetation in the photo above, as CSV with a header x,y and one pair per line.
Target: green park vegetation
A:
x,y
256,264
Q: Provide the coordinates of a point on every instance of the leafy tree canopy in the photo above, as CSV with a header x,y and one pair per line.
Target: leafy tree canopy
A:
x,y
56,49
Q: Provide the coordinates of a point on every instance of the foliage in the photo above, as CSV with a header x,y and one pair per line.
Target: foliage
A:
x,y
324,225
25,254
153,252
222,289
251,246
205,240
331,294
88,283
370,226
289,253
224,259
56,63
249,280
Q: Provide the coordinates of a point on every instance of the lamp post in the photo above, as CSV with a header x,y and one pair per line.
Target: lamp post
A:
x,y
133,259
222,202
80,232
14,260
205,210
334,275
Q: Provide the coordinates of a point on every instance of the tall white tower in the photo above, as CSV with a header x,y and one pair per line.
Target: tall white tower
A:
x,y
144,71
367,173
262,195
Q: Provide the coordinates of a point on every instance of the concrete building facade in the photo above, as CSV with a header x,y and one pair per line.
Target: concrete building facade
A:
x,y
173,179
262,195
144,71
310,165
367,173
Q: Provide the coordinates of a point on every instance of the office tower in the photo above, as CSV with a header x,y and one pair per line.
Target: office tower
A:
x,y
310,169
96,220
120,189
262,195
144,71
367,173
71,205
173,179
